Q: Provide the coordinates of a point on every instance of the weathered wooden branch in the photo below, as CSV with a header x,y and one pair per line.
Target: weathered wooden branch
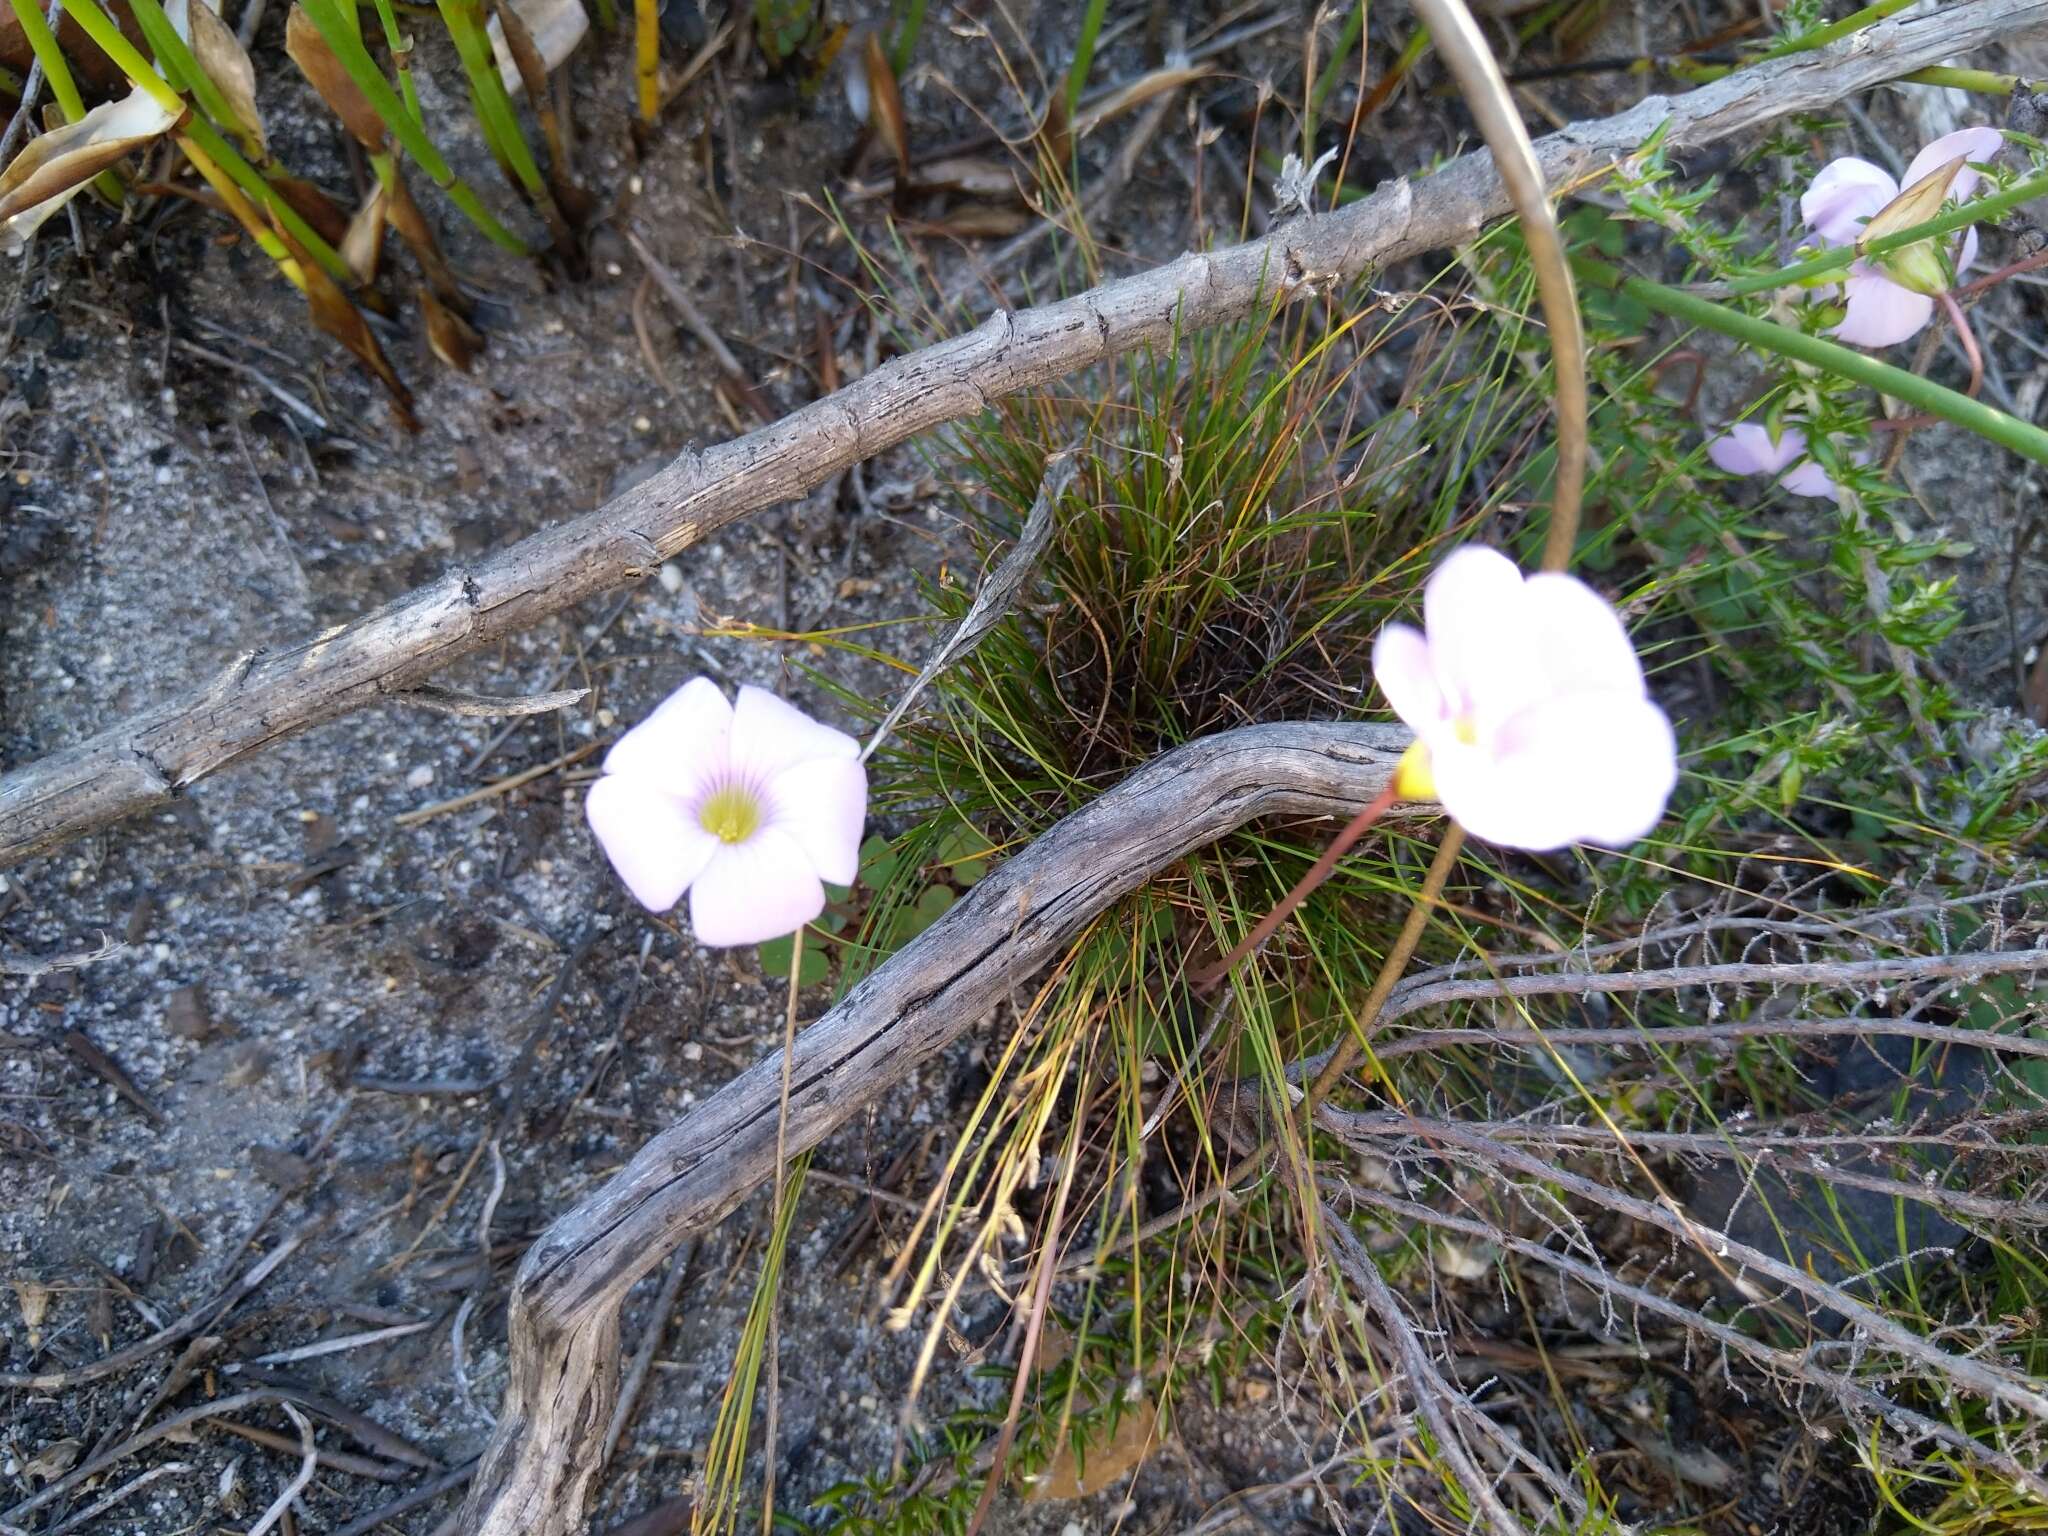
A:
x,y
536,1477
266,696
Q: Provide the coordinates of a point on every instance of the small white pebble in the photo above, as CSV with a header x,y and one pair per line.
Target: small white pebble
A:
x,y
613,269
420,777
671,578
692,1051
642,424
636,185
607,719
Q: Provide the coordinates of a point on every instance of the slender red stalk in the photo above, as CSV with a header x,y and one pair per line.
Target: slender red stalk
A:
x,y
1317,874
1968,338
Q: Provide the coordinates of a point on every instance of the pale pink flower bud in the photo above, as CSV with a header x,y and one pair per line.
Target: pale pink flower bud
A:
x,y
750,807
1532,722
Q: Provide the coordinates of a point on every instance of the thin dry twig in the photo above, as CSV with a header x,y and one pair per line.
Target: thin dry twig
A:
x,y
1426,1384
300,1479
30,967
192,1322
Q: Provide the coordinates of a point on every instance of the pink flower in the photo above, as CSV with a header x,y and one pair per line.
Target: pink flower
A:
x,y
1849,193
748,807
1747,449
1532,723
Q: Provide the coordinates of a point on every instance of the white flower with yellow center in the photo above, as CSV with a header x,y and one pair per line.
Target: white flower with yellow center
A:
x,y
1532,723
750,807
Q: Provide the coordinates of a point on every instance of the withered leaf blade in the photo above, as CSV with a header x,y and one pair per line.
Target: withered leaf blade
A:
x,y
324,72
314,206
337,315
885,103
418,235
224,62
363,243
997,593
453,339
1140,91
49,170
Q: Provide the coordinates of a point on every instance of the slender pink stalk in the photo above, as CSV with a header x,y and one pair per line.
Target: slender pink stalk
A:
x,y
1318,872
1967,337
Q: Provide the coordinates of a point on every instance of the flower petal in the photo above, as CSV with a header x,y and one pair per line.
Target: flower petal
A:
x,y
1809,479
1576,639
1845,194
1966,257
1746,448
1472,612
1978,144
769,734
1400,665
681,745
1593,767
1881,313
823,805
755,890
651,838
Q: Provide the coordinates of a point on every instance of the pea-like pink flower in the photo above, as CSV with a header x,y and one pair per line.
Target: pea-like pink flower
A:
x,y
1891,298
1532,722
1747,448
750,807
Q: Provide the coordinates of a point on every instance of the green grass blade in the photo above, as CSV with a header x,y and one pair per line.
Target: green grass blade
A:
x,y
1084,54
43,42
327,17
401,53
487,93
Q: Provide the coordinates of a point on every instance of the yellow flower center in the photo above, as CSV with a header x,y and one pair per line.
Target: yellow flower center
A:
x,y
1413,779
731,815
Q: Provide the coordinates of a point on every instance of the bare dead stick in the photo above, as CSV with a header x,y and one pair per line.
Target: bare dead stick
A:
x,y
541,1466
266,697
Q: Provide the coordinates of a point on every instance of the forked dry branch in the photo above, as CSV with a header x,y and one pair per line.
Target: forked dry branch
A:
x,y
267,695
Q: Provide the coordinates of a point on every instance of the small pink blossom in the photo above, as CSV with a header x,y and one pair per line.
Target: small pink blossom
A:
x,y
1748,449
749,807
1532,722
1844,198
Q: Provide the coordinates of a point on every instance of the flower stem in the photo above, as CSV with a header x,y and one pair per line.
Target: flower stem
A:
x,y
1391,970
2022,437
1318,872
774,1349
1967,337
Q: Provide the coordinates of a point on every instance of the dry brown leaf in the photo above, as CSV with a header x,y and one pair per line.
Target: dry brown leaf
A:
x,y
1137,93
225,63
363,244
418,235
1056,135
48,171
1075,1477
453,339
314,206
885,102
336,314
324,72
